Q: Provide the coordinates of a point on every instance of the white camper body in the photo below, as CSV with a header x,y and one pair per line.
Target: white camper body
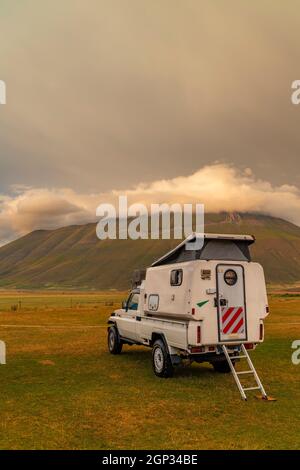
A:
x,y
226,313
194,304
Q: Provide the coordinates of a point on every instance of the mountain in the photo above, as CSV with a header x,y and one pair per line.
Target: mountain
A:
x,y
73,257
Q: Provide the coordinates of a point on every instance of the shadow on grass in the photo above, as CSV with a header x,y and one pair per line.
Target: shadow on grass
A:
x,y
142,358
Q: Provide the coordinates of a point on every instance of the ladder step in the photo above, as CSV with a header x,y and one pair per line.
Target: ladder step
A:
x,y
251,388
240,354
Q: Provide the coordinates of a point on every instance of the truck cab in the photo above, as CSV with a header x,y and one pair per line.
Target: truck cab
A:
x,y
129,315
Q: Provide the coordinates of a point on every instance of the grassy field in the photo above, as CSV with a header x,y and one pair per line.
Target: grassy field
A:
x,y
60,389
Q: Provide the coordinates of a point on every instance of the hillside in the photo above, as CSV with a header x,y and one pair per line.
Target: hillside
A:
x,y
72,257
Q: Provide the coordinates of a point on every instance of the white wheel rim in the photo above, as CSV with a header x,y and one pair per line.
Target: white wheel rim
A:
x,y
111,340
158,359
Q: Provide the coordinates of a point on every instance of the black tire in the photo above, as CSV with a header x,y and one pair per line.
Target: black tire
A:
x,y
161,361
113,340
221,366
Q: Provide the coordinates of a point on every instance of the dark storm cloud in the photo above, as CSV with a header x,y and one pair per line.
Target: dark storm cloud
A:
x,y
106,94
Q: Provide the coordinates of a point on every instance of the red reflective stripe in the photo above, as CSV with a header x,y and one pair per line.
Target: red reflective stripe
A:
x,y
238,326
227,313
234,318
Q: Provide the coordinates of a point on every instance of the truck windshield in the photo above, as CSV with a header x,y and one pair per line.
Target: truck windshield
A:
x,y
133,302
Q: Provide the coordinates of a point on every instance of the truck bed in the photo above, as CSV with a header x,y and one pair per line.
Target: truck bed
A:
x,y
175,331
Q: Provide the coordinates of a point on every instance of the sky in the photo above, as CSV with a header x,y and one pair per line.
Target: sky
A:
x,y
150,99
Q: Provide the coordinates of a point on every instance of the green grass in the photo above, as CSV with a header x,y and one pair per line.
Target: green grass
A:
x,y
60,389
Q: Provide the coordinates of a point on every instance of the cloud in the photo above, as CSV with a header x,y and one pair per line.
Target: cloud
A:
x,y
32,209
154,88
220,187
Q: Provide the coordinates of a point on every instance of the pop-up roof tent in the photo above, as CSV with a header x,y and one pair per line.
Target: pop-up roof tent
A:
x,y
215,247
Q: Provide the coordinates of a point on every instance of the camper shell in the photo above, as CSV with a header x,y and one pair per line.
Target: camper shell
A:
x,y
194,301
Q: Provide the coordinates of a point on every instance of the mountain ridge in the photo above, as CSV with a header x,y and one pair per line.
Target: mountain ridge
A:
x,y
73,257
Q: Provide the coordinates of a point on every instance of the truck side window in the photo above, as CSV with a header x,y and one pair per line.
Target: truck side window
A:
x,y
133,302
176,277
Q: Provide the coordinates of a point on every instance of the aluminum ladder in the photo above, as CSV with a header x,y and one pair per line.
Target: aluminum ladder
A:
x,y
250,371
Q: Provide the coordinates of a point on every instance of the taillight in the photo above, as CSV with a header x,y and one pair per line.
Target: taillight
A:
x,y
267,309
261,331
249,345
193,311
197,349
198,334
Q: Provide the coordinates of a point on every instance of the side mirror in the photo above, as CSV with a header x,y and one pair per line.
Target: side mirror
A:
x,y
124,304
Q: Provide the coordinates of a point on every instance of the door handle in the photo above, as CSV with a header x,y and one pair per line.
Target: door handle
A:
x,y
222,302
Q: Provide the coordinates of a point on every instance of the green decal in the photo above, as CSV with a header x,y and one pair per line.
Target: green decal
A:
x,y
200,304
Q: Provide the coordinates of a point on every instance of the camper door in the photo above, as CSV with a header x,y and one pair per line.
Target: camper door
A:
x,y
231,305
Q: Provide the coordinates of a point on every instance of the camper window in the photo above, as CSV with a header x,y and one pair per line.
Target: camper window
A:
x,y
176,277
153,302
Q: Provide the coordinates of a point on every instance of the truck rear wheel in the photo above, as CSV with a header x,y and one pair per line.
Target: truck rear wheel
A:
x,y
161,361
114,343
221,366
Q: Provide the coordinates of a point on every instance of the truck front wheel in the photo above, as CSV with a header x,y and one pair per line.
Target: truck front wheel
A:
x,y
113,340
161,361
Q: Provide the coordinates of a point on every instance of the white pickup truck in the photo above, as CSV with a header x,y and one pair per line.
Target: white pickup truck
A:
x,y
193,304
